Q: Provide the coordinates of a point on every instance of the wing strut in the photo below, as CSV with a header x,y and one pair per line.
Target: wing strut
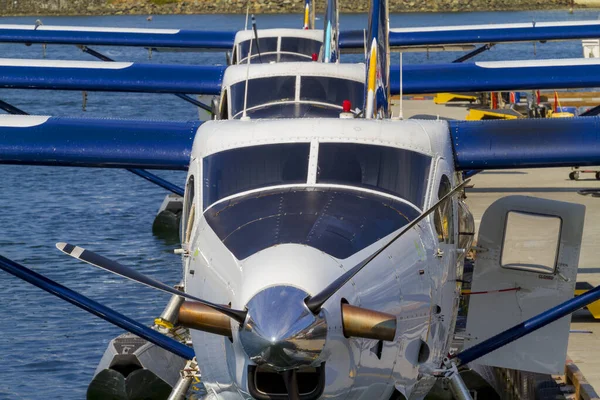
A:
x,y
475,52
97,309
526,327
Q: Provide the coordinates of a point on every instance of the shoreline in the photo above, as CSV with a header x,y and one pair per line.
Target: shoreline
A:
x,y
207,7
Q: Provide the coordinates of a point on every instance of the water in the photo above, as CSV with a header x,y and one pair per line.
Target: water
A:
x,y
50,349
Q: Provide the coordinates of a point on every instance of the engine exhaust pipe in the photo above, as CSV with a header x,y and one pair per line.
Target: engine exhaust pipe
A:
x,y
368,324
197,316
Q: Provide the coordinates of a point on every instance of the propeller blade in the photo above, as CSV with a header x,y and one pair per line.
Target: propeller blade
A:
x,y
129,273
290,377
99,310
315,302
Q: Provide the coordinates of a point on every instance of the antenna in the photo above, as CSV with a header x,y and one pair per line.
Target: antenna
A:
x,y
247,12
244,116
255,38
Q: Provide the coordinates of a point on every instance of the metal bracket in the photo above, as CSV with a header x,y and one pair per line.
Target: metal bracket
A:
x,y
455,383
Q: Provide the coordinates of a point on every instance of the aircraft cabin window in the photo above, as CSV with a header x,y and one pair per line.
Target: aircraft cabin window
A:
x,y
443,217
261,91
238,170
265,45
399,172
332,90
531,242
187,220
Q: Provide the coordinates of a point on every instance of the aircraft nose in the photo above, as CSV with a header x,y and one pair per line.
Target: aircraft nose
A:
x,y
281,331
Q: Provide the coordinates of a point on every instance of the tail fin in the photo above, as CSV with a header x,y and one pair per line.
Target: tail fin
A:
x,y
307,7
331,31
378,62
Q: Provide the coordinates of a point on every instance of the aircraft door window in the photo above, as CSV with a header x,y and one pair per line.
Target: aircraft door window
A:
x,y
189,212
531,242
239,170
394,171
443,217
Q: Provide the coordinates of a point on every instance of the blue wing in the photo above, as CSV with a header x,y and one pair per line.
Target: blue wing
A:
x,y
113,76
526,143
172,38
107,143
503,75
499,33
472,34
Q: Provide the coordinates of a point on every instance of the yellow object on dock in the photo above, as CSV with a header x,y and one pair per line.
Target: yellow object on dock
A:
x,y
562,115
443,98
594,308
476,114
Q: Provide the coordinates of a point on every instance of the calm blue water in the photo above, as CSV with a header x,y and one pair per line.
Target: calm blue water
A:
x,y
49,349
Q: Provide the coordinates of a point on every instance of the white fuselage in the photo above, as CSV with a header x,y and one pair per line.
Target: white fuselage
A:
x,y
414,279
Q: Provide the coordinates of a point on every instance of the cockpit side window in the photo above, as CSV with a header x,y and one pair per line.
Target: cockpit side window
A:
x,y
238,170
223,114
189,211
443,217
400,172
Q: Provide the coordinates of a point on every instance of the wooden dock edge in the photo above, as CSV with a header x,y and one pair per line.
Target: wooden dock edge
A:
x,y
574,377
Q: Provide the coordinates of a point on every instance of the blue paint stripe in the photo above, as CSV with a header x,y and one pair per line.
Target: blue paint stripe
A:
x,y
150,78
437,78
105,143
213,40
526,143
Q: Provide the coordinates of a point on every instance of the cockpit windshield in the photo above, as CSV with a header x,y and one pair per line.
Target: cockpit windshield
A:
x,y
261,91
399,172
279,49
265,45
238,170
280,94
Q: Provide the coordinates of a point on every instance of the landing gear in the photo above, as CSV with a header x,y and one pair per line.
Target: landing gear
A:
x,y
576,172
574,175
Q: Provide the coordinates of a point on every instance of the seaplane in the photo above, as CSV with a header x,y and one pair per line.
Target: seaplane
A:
x,y
322,256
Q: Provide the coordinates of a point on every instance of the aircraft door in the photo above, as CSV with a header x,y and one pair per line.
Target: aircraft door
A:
x,y
527,257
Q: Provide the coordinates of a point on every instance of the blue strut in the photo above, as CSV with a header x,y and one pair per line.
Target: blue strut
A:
x,y
97,309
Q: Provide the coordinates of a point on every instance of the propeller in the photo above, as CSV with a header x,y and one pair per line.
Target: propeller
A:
x,y
112,266
99,310
315,302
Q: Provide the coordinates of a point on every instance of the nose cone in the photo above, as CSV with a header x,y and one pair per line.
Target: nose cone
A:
x,y
281,331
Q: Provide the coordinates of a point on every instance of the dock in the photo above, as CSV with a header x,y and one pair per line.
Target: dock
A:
x,y
583,372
